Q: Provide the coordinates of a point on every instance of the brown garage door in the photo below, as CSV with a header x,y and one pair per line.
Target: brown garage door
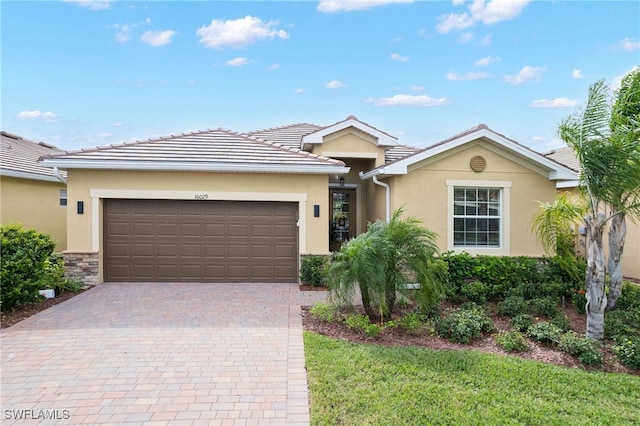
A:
x,y
200,241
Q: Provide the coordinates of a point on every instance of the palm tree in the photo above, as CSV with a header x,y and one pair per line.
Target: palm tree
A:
x,y
609,162
382,261
625,128
553,225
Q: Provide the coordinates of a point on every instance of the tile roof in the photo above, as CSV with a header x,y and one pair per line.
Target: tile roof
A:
x,y
289,136
19,158
564,156
219,149
398,152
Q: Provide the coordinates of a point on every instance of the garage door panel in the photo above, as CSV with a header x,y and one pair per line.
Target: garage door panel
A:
x,y
209,241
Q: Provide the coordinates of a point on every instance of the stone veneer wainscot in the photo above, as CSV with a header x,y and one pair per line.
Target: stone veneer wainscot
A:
x,y
83,267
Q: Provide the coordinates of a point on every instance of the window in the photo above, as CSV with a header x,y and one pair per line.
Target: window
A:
x,y
476,217
63,197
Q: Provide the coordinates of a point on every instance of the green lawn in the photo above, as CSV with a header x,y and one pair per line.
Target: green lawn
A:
x,y
367,384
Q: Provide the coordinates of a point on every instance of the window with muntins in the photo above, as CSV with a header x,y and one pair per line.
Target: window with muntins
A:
x,y
476,217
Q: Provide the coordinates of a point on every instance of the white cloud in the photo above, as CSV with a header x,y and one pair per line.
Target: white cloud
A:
x,y
124,31
486,12
554,103
617,81
577,74
298,91
454,76
92,4
238,33
37,115
399,58
486,61
335,84
486,40
465,37
628,44
273,67
157,38
527,73
329,6
417,88
410,100
237,62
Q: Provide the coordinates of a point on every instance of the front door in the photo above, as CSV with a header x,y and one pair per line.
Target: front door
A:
x,y
342,225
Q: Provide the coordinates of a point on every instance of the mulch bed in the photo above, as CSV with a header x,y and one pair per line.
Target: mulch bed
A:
x,y
7,319
537,351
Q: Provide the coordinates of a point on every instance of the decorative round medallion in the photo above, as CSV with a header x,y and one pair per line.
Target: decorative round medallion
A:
x,y
478,163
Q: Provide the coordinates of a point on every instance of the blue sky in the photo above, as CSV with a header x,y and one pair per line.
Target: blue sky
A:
x,y
81,73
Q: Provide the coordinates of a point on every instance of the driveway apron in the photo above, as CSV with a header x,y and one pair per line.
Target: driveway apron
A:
x,y
161,353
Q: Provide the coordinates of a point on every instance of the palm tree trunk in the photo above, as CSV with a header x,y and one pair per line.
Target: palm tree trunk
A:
x,y
595,278
366,300
617,234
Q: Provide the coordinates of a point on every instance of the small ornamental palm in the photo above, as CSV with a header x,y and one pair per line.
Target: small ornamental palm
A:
x,y
382,261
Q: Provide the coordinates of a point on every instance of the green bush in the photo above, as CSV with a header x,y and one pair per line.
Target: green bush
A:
x,y
325,312
544,307
512,306
562,321
512,341
585,349
461,325
362,324
545,332
26,265
414,323
618,323
555,289
627,348
522,322
475,291
579,301
630,298
313,270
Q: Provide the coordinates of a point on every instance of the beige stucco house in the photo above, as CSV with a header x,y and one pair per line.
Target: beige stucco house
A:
x,y
219,206
631,254
31,194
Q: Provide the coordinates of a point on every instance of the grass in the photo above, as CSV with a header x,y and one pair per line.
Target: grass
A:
x,y
366,384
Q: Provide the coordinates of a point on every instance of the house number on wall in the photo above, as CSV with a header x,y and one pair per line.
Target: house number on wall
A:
x,y
201,196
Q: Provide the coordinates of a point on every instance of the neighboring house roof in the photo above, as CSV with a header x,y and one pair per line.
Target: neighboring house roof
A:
x,y
567,157
210,150
20,156
555,170
382,138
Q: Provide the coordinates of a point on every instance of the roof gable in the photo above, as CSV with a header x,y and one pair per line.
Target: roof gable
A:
x,y
20,156
553,169
317,137
211,150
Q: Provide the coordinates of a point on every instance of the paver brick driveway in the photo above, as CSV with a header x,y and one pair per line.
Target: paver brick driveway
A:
x,y
157,353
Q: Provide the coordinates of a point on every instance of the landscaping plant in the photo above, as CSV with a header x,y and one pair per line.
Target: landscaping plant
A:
x,y
381,262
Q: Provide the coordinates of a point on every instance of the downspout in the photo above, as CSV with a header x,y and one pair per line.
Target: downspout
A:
x,y
56,172
387,195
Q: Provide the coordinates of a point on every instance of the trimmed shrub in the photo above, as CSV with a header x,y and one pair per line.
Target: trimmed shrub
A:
x,y
512,306
325,312
585,349
475,291
562,321
464,324
555,289
544,307
414,323
313,270
512,341
627,348
579,301
362,324
620,323
522,322
545,332
630,298
26,265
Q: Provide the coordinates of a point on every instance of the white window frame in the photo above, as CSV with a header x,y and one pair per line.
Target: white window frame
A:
x,y
504,248
63,196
